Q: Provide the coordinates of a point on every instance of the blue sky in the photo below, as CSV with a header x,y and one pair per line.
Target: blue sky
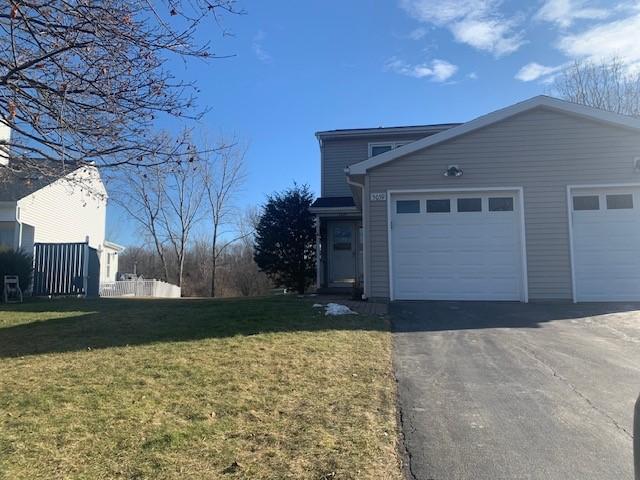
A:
x,y
299,67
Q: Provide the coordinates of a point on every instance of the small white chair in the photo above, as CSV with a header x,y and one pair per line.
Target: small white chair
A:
x,y
12,290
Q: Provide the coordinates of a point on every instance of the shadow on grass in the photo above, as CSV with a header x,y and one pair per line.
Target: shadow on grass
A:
x,y
44,326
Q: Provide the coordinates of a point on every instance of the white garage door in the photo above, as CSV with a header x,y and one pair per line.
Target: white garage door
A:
x,y
456,246
606,242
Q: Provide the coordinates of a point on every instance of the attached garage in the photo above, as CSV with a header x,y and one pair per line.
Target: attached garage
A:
x,y
464,245
605,238
538,201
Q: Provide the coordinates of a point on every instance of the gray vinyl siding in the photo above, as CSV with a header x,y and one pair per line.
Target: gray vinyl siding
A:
x,y
339,153
542,151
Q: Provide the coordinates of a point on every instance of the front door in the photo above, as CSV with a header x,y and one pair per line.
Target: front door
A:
x,y
342,254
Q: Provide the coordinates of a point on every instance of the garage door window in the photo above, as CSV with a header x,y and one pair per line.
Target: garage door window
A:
x,y
501,204
439,206
619,202
586,202
469,205
408,206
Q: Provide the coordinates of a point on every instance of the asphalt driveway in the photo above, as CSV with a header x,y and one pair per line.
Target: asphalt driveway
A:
x,y
517,391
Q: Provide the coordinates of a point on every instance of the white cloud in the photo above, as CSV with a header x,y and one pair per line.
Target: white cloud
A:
x,y
437,70
599,43
489,35
534,71
478,23
258,48
418,34
565,12
604,41
472,76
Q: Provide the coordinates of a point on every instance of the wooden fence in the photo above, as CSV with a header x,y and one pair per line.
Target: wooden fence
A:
x,y
139,288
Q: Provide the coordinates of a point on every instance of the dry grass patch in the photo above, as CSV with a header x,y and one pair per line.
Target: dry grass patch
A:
x,y
259,389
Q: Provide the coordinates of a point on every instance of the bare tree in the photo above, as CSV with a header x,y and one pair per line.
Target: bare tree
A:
x,y
223,175
182,191
608,85
142,195
83,81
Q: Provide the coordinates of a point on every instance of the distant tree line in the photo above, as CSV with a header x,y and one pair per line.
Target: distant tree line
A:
x,y
237,273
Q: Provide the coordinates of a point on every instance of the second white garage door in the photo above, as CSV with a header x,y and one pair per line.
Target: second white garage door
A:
x,y
464,246
606,238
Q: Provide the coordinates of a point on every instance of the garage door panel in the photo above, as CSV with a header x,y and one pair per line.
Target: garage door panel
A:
x,y
457,255
605,244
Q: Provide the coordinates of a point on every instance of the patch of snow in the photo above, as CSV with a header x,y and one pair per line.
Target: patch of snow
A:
x,y
317,305
337,309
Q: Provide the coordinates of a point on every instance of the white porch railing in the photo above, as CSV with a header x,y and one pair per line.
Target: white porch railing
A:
x,y
139,288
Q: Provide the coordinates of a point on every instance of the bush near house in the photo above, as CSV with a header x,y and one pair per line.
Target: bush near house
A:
x,y
285,247
15,262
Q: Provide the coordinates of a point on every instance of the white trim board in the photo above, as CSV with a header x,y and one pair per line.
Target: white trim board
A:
x,y
491,118
523,237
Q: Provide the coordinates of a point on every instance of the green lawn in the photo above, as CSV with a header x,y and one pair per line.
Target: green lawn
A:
x,y
181,389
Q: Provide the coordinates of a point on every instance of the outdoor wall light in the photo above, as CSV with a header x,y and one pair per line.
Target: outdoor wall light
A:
x,y
455,171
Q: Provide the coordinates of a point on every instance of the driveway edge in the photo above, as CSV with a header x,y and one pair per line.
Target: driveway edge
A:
x,y
403,450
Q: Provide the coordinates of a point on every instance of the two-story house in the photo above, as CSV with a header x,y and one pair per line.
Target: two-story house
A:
x,y
339,208
539,200
56,207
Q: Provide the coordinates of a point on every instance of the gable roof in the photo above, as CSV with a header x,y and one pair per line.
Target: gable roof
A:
x,y
377,131
16,184
494,117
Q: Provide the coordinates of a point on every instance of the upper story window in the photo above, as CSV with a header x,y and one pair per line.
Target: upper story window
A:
x,y
381,147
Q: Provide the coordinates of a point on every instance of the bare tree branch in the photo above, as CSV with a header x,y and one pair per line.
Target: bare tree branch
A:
x,y
223,175
86,80
608,85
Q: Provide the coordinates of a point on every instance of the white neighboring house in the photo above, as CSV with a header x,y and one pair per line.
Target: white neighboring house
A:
x,y
40,209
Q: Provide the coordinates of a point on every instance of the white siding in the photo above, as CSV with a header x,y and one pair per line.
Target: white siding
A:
x,y
108,265
542,151
68,210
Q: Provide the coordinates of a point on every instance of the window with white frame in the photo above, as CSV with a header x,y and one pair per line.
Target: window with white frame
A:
x,y
380,147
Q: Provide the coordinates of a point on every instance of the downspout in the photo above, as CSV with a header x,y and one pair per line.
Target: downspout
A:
x,y
319,252
365,295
